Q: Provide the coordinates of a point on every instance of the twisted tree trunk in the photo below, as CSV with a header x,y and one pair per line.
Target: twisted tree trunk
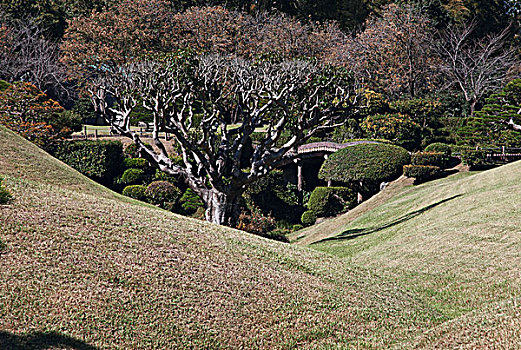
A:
x,y
222,208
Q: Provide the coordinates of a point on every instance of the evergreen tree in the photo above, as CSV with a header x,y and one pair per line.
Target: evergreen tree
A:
x,y
496,122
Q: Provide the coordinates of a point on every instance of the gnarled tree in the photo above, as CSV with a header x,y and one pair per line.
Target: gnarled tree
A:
x,y
477,67
196,98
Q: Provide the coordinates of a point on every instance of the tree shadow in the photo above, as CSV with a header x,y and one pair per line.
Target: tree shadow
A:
x,y
41,341
357,232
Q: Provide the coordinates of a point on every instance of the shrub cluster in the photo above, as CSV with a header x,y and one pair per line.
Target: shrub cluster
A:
x,y
255,222
99,160
133,176
271,195
329,201
422,173
139,163
362,162
136,192
308,218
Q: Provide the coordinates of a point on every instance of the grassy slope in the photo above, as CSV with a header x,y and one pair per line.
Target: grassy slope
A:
x,y
84,267
456,242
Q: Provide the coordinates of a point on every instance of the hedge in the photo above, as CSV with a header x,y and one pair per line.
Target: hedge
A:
x,y
429,158
369,161
329,201
163,193
422,173
439,147
101,160
308,218
135,191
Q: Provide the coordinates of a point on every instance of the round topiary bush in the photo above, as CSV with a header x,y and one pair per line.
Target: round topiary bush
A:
x,y
163,193
135,191
365,162
439,147
308,218
329,201
132,176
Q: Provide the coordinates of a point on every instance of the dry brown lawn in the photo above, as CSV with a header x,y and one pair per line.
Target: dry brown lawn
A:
x,y
85,268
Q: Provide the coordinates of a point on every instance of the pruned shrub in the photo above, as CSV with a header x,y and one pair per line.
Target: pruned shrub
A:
x,y
136,192
365,162
422,173
297,227
133,176
439,147
163,193
308,218
99,160
429,158
190,202
476,159
5,194
329,201
139,163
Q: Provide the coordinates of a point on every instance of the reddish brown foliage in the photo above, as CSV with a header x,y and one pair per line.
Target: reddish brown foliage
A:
x,y
28,111
394,54
133,29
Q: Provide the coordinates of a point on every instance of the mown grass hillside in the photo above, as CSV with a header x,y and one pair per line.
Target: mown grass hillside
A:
x,y
455,243
84,268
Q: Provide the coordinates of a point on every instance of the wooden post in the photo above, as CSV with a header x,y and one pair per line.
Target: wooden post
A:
x,y
96,134
300,180
85,131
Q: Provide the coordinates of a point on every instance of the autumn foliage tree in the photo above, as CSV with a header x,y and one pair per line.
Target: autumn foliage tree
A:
x,y
394,53
28,111
132,29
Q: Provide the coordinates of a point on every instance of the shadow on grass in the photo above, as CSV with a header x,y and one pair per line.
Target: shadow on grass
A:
x,y
357,232
41,341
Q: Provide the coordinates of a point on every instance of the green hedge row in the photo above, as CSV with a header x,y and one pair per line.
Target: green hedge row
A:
x,y
422,173
99,160
429,158
329,201
476,159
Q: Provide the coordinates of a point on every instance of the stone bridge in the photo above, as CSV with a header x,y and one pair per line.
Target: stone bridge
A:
x,y
310,157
